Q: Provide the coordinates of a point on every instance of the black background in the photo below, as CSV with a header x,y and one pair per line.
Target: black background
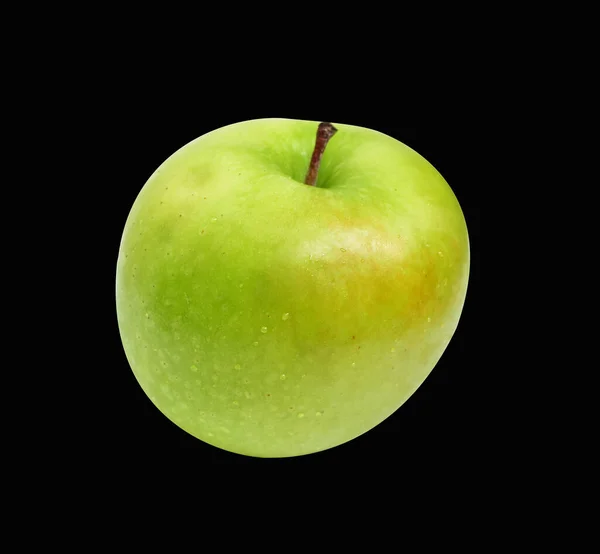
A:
x,y
438,424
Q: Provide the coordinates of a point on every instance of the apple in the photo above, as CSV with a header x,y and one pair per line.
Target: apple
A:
x,y
279,295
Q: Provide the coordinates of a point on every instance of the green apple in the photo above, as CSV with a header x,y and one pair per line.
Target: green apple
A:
x,y
272,318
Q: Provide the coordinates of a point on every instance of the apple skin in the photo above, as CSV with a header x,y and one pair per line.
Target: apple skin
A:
x,y
272,319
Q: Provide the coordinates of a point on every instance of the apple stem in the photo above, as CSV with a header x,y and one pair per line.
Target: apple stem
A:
x,y
324,133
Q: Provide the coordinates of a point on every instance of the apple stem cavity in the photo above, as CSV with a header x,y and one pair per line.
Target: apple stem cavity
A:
x,y
324,133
